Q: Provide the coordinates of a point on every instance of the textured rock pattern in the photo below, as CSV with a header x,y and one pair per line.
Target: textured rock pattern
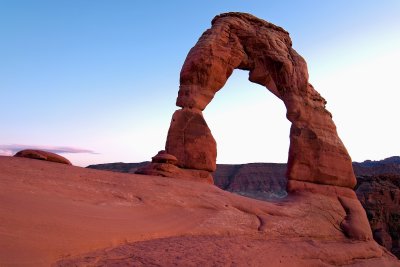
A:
x,y
388,166
61,215
164,157
256,180
170,170
355,225
378,189
233,251
380,196
191,141
42,155
242,41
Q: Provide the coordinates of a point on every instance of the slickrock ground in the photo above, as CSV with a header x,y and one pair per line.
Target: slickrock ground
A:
x,y
378,189
57,214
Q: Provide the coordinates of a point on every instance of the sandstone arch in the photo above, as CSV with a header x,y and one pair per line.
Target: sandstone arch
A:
x,y
242,41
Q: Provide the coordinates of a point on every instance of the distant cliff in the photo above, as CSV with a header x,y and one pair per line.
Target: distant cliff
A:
x,y
119,166
378,189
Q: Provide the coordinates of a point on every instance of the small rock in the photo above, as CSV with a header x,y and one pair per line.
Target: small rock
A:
x,y
42,155
163,157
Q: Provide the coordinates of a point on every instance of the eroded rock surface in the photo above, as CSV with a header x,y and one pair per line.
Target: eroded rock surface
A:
x,y
71,216
164,164
191,141
42,155
378,189
380,196
242,41
257,180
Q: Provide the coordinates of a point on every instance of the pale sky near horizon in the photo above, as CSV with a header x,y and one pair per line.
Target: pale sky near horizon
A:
x,y
96,81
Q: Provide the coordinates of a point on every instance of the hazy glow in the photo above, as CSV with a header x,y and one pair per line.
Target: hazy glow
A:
x,y
364,99
104,76
248,122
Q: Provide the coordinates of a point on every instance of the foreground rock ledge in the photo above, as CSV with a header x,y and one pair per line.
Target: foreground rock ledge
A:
x,y
70,216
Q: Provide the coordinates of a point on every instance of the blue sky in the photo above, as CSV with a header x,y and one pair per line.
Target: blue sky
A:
x,y
101,77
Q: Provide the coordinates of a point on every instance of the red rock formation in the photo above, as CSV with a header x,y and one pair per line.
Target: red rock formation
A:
x,y
170,170
164,164
265,181
380,196
164,157
61,215
242,41
42,155
318,162
191,141
378,189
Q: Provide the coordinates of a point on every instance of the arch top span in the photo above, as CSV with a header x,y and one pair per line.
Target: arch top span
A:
x,y
243,41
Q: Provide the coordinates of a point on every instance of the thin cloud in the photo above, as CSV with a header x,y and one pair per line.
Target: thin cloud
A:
x,y
9,150
6,152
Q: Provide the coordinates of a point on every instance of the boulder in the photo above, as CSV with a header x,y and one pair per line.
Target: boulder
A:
x,y
172,171
191,141
163,157
42,155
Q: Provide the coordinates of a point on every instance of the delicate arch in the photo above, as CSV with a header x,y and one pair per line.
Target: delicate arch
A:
x,y
242,41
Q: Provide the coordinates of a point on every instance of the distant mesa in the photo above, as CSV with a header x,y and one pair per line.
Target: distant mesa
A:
x,y
42,155
242,41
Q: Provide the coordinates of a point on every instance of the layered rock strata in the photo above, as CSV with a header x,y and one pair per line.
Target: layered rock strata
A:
x,y
380,196
164,164
61,215
378,189
242,41
318,162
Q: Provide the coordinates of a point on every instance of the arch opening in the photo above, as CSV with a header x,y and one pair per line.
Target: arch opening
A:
x,y
248,123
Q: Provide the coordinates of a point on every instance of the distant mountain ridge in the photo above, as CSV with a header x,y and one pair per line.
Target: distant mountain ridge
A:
x,y
119,166
263,180
389,160
387,165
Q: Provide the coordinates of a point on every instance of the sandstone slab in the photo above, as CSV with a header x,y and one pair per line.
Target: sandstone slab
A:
x,y
71,216
42,155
